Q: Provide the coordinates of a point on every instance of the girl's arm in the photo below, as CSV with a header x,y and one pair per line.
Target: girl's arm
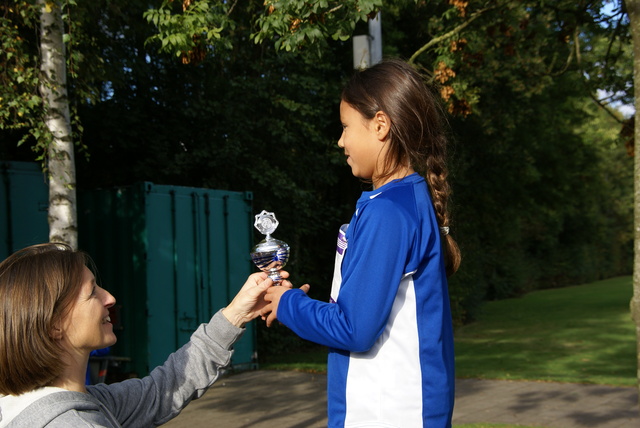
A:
x,y
378,252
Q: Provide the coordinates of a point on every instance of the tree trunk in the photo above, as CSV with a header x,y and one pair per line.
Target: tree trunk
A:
x,y
60,155
633,9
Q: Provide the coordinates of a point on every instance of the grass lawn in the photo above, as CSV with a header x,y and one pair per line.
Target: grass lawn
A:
x,y
580,334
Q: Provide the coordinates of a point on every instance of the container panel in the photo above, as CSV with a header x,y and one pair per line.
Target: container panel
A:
x,y
187,290
162,278
217,235
111,225
24,201
240,225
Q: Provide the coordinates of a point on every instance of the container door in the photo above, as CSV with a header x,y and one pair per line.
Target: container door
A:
x,y
171,295
172,256
199,244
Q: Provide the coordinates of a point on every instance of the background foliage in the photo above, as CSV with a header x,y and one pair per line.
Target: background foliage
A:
x,y
184,95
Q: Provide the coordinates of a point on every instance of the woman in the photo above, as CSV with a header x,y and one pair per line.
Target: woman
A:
x,y
53,314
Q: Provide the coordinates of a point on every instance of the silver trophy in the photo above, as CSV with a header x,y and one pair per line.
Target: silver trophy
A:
x,y
270,255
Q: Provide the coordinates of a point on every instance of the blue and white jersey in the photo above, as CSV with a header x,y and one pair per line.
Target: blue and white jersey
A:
x,y
388,326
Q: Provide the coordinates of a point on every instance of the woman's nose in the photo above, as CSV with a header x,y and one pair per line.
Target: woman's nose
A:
x,y
109,300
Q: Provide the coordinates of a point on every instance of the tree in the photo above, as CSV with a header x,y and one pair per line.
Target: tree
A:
x,y
510,73
191,28
63,218
515,76
35,104
633,9
245,118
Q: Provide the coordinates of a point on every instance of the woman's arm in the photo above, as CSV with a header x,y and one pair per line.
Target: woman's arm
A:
x,y
188,372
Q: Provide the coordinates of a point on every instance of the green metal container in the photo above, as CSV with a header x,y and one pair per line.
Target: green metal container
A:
x,y
172,257
24,201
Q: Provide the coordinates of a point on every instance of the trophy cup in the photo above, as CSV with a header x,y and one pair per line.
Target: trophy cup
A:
x,y
270,255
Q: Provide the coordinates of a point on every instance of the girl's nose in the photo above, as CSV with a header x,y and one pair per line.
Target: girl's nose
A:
x,y
341,143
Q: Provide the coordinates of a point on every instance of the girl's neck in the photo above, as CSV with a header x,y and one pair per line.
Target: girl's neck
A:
x,y
396,175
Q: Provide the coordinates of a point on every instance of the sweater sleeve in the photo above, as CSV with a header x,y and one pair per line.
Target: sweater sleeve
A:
x,y
186,375
379,247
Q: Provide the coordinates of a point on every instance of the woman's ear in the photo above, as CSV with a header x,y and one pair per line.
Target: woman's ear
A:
x,y
382,125
55,333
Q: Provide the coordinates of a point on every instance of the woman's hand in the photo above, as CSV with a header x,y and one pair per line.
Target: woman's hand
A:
x,y
249,301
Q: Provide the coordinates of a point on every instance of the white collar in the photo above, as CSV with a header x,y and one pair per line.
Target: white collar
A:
x,y
12,405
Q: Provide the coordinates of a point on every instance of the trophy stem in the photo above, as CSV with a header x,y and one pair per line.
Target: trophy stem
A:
x,y
275,277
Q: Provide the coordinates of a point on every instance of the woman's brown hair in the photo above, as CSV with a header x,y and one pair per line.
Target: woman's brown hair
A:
x,y
38,286
417,137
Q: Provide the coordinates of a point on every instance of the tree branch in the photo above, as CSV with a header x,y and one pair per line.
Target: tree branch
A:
x,y
334,9
445,36
576,50
606,108
232,7
616,32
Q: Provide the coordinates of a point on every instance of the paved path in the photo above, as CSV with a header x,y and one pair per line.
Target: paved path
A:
x,y
287,399
545,404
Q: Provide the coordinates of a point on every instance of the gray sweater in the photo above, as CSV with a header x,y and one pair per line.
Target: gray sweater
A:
x,y
146,402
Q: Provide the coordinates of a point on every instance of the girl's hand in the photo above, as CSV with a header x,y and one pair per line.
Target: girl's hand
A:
x,y
272,296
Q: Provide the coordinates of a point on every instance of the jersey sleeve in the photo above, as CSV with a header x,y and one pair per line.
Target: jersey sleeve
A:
x,y
379,248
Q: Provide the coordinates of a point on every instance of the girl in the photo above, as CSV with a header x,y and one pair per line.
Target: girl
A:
x,y
53,314
388,324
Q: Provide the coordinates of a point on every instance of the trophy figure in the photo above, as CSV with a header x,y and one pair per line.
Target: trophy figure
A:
x,y
270,255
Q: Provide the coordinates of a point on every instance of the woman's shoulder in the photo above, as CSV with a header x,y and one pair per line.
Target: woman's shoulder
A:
x,y
62,409
79,418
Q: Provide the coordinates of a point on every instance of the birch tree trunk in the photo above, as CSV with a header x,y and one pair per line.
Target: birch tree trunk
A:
x,y
60,154
633,9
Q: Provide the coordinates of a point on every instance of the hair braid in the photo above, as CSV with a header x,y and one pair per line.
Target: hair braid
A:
x,y
436,176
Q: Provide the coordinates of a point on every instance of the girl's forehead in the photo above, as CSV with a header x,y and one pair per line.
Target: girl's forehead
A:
x,y
346,109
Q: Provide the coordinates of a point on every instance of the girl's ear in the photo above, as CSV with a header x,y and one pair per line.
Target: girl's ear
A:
x,y
382,125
